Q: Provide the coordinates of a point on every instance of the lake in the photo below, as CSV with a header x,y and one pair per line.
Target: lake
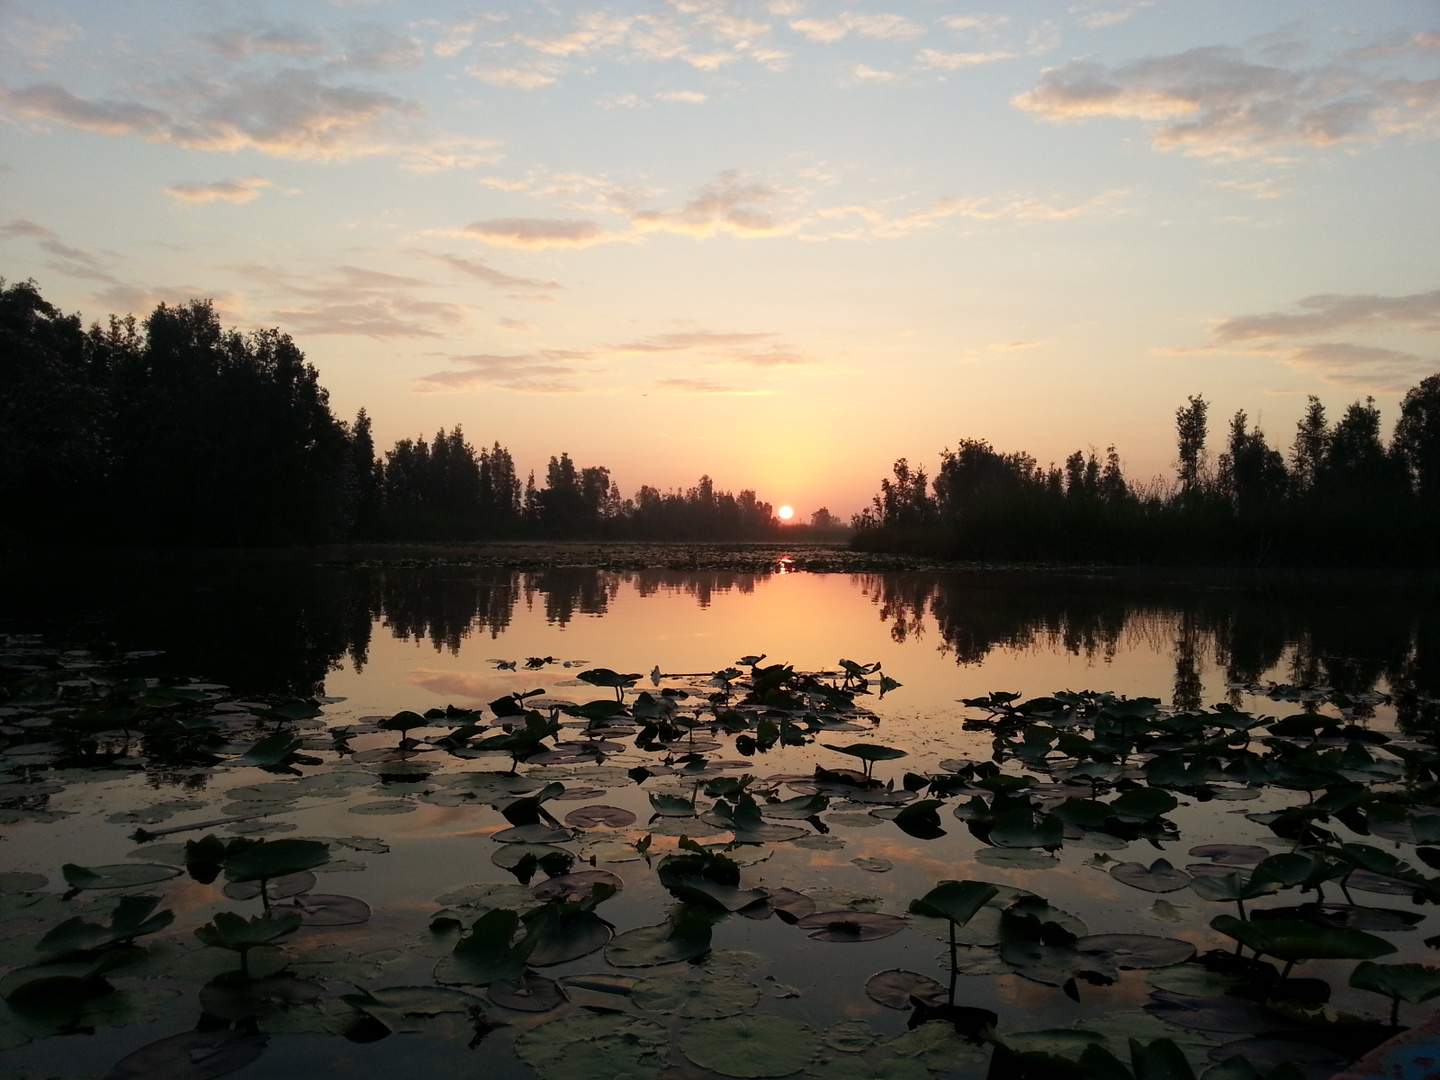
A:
x,y
394,968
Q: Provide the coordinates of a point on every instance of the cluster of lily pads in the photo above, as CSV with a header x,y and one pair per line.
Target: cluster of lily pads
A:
x,y
527,959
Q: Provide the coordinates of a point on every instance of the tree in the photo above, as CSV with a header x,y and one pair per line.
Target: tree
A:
x,y
1356,461
1113,488
1191,432
823,519
1312,442
1251,472
1417,436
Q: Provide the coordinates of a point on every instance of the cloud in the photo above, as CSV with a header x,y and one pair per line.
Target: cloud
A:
x,y
372,47
71,261
1015,346
527,373
1332,312
691,339
729,205
705,386
687,97
234,191
37,39
865,73
1212,101
1099,19
241,44
882,221
488,274
980,23
1362,367
882,27
934,58
538,233
288,113
375,317
527,77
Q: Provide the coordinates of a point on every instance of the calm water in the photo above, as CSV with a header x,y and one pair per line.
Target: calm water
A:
x,y
377,640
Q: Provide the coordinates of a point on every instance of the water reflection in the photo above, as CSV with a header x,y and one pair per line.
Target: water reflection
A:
x,y
277,623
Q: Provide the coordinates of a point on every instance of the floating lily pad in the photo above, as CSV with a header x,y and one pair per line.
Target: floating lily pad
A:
x,y
1158,877
590,817
385,806
750,1046
875,865
235,997
529,993
278,888
1016,859
896,987
1231,854
695,998
1131,951
606,1047
851,926
536,833
877,1064
571,888
1222,1014
850,1036
509,856
192,1055
666,943
601,990
328,909
116,876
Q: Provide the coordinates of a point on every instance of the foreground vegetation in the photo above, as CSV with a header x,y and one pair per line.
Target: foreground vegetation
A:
x,y
1343,497
1300,944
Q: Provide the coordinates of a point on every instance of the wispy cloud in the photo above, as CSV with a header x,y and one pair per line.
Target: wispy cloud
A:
x,y
538,233
482,271
708,387
347,300
71,261
885,220
242,190
288,113
1332,312
883,27
1213,101
525,373
731,205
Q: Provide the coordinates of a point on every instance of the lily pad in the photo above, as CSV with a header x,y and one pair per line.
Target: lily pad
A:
x,y
750,1046
591,817
896,987
1231,854
1129,952
1158,877
529,993
279,888
683,937
608,1047
572,888
695,998
328,909
192,1055
116,876
851,926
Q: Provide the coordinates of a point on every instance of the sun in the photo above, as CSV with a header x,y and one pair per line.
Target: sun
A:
x,y
786,513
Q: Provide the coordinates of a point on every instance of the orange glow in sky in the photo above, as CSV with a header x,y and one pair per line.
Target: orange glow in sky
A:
x,y
786,513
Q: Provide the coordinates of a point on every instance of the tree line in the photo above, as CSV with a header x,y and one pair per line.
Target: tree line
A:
x,y
173,430
1342,495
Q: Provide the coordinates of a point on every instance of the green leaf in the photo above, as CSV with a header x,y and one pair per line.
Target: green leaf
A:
x,y
117,876
486,954
237,933
1409,982
750,1046
274,858
956,901
1291,939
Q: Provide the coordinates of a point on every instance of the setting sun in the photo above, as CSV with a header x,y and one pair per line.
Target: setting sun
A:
x,y
786,513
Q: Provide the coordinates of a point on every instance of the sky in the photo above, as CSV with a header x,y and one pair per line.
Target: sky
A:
x,y
782,244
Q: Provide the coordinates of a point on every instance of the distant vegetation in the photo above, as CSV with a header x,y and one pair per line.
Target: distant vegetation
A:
x,y
172,430
1340,496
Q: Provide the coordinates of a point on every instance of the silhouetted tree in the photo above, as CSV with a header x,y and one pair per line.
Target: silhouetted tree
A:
x,y
1251,472
1191,431
1312,443
1417,436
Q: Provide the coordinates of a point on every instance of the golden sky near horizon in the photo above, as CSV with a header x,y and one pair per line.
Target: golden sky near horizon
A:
x,y
782,243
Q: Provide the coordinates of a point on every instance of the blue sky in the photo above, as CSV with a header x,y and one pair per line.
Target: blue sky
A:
x,y
783,243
